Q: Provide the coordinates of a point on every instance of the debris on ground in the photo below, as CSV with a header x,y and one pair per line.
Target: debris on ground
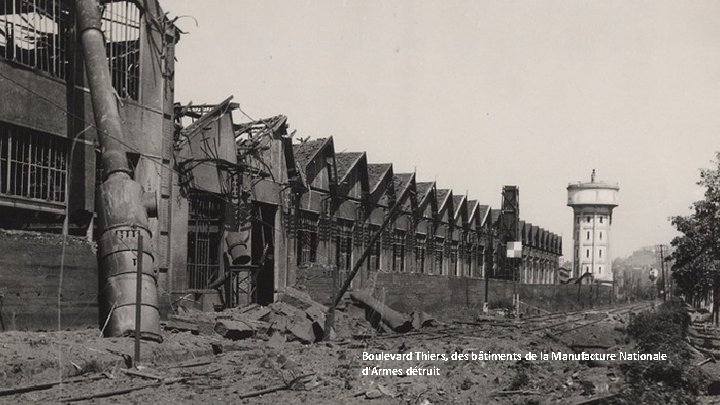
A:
x,y
279,357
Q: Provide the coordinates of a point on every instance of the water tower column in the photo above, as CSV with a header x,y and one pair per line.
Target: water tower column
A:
x,y
592,205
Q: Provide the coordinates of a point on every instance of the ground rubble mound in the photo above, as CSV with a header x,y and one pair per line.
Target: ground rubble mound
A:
x,y
295,316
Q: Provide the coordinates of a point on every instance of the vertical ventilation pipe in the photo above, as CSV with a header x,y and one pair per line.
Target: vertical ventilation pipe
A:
x,y
122,207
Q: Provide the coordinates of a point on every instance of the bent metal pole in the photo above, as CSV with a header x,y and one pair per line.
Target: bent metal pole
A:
x,y
122,205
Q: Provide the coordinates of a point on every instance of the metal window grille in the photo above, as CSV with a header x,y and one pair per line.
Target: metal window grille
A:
x,y
307,238
398,249
33,33
33,164
420,241
121,26
204,236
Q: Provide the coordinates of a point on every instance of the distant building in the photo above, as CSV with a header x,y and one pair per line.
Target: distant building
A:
x,y
592,205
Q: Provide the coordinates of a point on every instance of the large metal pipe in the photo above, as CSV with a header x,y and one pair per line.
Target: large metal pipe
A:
x,y
122,205
107,116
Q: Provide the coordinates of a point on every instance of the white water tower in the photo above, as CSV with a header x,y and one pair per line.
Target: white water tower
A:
x,y
592,205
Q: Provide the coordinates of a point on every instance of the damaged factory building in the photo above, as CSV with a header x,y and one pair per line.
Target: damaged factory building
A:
x,y
230,213
305,215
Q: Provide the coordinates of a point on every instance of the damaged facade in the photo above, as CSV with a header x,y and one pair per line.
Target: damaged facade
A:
x,y
302,213
49,149
314,211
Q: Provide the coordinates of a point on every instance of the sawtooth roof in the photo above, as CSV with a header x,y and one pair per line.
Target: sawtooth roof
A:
x,y
344,161
306,151
376,171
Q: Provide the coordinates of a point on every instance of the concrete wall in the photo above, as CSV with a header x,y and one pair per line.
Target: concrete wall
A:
x,y
456,296
29,279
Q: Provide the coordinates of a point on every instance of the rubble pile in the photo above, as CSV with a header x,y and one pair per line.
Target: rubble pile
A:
x,y
295,316
263,353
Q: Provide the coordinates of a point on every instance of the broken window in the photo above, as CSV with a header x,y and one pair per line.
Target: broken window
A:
x,y
204,236
398,248
33,164
121,26
32,33
307,238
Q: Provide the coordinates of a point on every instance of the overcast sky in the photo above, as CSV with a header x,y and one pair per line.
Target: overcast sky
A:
x,y
479,94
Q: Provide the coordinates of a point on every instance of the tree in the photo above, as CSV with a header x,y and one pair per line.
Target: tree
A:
x,y
697,251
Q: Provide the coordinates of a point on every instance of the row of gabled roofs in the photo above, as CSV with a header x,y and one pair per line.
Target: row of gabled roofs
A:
x,y
379,178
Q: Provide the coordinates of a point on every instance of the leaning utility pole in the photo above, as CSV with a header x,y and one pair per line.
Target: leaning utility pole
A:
x,y
393,211
122,204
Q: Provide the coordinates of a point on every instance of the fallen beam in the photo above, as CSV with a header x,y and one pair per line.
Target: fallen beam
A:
x,y
397,321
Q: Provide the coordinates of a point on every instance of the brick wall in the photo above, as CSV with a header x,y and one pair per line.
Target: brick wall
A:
x,y
460,296
29,277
